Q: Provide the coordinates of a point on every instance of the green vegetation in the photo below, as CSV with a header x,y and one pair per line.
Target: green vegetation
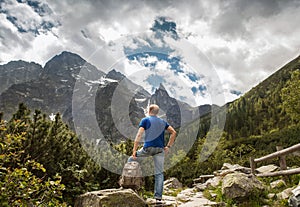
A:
x,y
42,162
291,95
265,117
23,180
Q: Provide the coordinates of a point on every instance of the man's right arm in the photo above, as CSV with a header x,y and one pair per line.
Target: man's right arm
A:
x,y
137,141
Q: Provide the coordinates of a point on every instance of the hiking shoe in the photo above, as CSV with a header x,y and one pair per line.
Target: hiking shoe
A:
x,y
159,202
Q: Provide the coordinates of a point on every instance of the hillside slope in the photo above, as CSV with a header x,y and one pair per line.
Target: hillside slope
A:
x,y
260,110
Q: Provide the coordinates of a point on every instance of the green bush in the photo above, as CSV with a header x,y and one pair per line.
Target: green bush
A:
x,y
19,183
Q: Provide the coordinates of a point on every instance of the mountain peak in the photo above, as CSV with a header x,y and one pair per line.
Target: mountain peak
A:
x,y
67,55
66,61
161,87
161,91
113,74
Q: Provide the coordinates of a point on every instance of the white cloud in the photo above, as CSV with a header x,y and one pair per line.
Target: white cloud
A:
x,y
245,41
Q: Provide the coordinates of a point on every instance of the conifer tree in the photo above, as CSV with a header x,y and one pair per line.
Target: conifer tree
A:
x,y
23,180
291,96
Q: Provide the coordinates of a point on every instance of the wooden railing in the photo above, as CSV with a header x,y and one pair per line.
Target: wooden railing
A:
x,y
281,153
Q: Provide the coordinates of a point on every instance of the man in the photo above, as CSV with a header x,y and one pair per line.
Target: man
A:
x,y
154,129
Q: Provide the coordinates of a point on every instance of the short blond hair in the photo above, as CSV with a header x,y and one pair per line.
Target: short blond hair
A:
x,y
154,109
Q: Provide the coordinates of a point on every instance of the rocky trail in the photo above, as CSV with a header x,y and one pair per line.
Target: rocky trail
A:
x,y
234,181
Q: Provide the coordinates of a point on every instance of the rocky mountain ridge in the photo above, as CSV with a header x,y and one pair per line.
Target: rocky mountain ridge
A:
x,y
16,72
51,90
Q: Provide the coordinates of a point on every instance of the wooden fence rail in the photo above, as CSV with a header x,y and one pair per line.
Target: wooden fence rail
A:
x,y
281,153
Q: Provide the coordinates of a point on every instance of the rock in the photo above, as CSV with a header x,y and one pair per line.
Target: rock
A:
x,y
171,186
214,182
195,199
200,186
277,184
285,194
240,185
167,201
271,195
172,183
228,168
267,169
110,198
185,195
294,200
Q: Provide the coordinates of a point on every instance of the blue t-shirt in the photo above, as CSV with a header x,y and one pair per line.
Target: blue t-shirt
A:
x,y
154,131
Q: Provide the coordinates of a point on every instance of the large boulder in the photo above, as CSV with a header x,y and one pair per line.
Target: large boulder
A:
x,y
239,185
110,198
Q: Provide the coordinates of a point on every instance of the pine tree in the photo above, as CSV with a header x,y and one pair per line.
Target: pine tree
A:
x,y
23,180
291,96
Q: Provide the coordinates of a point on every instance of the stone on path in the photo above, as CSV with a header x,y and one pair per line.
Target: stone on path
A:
x,y
110,197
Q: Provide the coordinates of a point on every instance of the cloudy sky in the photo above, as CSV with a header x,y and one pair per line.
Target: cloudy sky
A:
x,y
244,41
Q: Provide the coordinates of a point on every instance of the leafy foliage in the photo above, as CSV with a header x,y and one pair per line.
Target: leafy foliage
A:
x,y
57,152
23,180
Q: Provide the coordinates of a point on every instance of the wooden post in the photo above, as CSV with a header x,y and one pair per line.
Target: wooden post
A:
x,y
282,161
252,165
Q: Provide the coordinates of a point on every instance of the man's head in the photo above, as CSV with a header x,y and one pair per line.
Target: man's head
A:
x,y
153,109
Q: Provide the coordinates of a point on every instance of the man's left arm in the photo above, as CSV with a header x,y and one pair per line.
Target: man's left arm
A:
x,y
172,132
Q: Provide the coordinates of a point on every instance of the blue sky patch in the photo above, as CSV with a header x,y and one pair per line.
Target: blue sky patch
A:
x,y
173,61
193,77
155,81
162,25
201,89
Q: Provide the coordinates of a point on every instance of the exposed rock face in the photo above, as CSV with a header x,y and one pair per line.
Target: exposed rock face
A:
x,y
177,113
67,80
16,72
240,186
51,88
119,106
110,198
